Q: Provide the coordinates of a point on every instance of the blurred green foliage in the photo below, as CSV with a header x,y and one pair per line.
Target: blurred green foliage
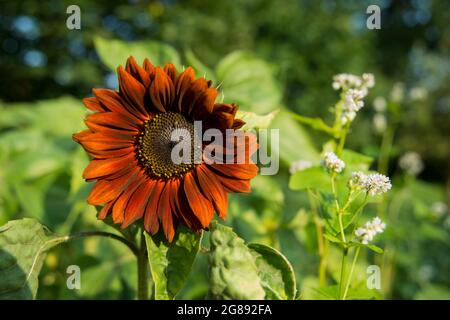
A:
x,y
266,56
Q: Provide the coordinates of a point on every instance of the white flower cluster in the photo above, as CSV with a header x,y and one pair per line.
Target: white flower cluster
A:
x,y
370,230
332,162
299,165
412,163
352,104
347,81
355,88
373,184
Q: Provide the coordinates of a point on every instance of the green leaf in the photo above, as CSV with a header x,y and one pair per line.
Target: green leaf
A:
x,y
248,81
294,143
233,273
276,272
255,121
315,123
332,238
375,248
171,264
355,161
372,247
23,247
114,53
310,178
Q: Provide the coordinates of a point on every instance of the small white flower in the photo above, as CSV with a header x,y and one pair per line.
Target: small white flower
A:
x,y
357,180
376,183
345,81
412,163
373,184
368,80
299,165
379,104
352,104
332,162
366,233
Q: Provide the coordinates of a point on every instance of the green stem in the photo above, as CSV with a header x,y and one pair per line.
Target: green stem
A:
x,y
342,139
341,281
129,244
320,239
143,272
355,257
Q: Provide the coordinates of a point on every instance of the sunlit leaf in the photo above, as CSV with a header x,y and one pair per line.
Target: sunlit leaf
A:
x,y
23,246
276,272
171,263
114,53
233,273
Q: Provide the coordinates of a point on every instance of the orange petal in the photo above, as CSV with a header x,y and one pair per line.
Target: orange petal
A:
x,y
106,210
138,201
149,68
213,190
170,70
137,71
107,154
133,91
105,167
118,133
165,214
111,100
204,105
238,171
151,223
201,206
161,90
93,104
118,211
107,190
193,92
113,120
182,84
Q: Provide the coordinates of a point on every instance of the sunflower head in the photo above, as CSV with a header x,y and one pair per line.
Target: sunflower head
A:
x,y
130,140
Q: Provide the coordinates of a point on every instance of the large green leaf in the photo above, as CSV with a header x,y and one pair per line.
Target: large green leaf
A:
x,y
114,53
276,272
233,272
295,143
310,178
248,81
23,247
171,263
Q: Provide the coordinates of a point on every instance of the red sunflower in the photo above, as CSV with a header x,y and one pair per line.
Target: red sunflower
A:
x,y
129,140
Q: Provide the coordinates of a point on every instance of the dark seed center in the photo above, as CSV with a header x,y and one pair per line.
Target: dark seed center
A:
x,y
158,139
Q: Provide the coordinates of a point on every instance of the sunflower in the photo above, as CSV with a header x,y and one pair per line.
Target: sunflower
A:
x,y
129,139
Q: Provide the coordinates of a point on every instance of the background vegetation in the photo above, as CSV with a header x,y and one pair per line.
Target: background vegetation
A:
x,y
268,55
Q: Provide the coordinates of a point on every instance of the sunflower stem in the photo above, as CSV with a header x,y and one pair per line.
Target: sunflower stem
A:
x,y
143,272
